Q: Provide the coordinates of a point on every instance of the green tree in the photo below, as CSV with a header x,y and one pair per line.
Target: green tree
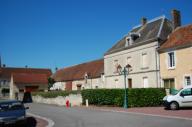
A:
x,y
51,81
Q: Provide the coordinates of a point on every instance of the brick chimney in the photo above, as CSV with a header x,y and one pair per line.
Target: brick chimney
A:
x,y
143,21
176,18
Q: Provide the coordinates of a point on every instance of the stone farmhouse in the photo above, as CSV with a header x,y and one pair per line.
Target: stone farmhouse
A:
x,y
88,75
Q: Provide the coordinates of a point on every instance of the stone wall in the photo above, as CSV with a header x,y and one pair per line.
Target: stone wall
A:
x,y
74,99
133,57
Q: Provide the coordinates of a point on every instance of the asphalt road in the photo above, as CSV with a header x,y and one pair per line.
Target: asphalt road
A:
x,y
81,117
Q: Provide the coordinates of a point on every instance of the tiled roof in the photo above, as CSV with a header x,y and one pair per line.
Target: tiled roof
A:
x,y
5,72
94,69
180,37
156,29
30,78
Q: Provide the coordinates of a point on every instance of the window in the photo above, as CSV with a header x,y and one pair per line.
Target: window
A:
x,y
171,59
144,60
4,82
145,82
129,83
187,80
102,77
186,92
116,64
169,83
86,78
129,41
116,83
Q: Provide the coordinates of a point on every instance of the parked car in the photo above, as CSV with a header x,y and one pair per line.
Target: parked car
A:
x,y
181,99
12,111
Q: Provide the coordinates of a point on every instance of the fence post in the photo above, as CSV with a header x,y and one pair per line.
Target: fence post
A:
x,y
87,103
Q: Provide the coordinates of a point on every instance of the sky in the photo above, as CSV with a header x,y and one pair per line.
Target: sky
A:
x,y
61,33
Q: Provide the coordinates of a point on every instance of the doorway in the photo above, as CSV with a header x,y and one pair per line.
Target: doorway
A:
x,y
129,83
79,87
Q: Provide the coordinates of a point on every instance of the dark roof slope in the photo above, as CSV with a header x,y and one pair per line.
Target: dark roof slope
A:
x,y
155,29
182,36
6,72
94,69
27,78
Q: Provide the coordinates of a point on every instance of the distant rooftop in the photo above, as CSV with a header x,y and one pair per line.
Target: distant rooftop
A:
x,y
93,69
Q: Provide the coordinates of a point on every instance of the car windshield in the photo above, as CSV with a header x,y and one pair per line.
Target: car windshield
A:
x,y
176,91
11,106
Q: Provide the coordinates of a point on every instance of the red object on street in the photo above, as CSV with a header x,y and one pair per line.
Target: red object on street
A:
x,y
67,104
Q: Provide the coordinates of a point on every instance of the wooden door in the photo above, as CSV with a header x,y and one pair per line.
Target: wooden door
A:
x,y
129,83
68,86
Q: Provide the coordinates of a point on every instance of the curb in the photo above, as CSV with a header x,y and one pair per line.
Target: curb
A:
x,y
50,122
145,114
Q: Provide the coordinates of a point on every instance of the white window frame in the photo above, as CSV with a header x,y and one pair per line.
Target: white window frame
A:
x,y
115,64
184,81
147,82
128,42
116,83
168,60
147,61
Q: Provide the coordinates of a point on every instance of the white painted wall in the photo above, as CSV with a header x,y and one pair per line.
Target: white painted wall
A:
x,y
137,73
91,84
58,86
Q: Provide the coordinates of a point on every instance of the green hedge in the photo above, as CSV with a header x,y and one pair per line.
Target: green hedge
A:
x,y
53,94
138,97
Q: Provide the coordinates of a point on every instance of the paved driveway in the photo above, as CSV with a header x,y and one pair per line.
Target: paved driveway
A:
x,y
88,117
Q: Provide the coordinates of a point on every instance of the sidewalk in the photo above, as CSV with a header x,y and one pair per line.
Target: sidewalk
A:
x,y
36,122
151,111
41,122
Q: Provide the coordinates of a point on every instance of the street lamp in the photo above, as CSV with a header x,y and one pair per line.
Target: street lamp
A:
x,y
125,71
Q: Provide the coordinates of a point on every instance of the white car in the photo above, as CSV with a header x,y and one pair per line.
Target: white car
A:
x,y
183,98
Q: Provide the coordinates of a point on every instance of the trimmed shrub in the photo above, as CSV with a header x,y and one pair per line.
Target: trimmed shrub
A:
x,y
54,94
137,97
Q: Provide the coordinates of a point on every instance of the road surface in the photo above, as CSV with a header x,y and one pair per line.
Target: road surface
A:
x,y
82,117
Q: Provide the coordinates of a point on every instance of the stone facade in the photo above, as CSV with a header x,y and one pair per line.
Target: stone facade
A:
x,y
81,84
138,73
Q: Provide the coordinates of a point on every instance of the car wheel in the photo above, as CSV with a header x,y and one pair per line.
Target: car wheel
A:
x,y
1,124
174,106
22,123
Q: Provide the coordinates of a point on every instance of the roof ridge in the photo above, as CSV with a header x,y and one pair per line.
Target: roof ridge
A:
x,y
161,27
81,64
150,21
181,27
25,68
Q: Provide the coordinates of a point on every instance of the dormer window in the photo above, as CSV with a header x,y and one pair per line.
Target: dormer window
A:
x,y
131,38
134,36
129,41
